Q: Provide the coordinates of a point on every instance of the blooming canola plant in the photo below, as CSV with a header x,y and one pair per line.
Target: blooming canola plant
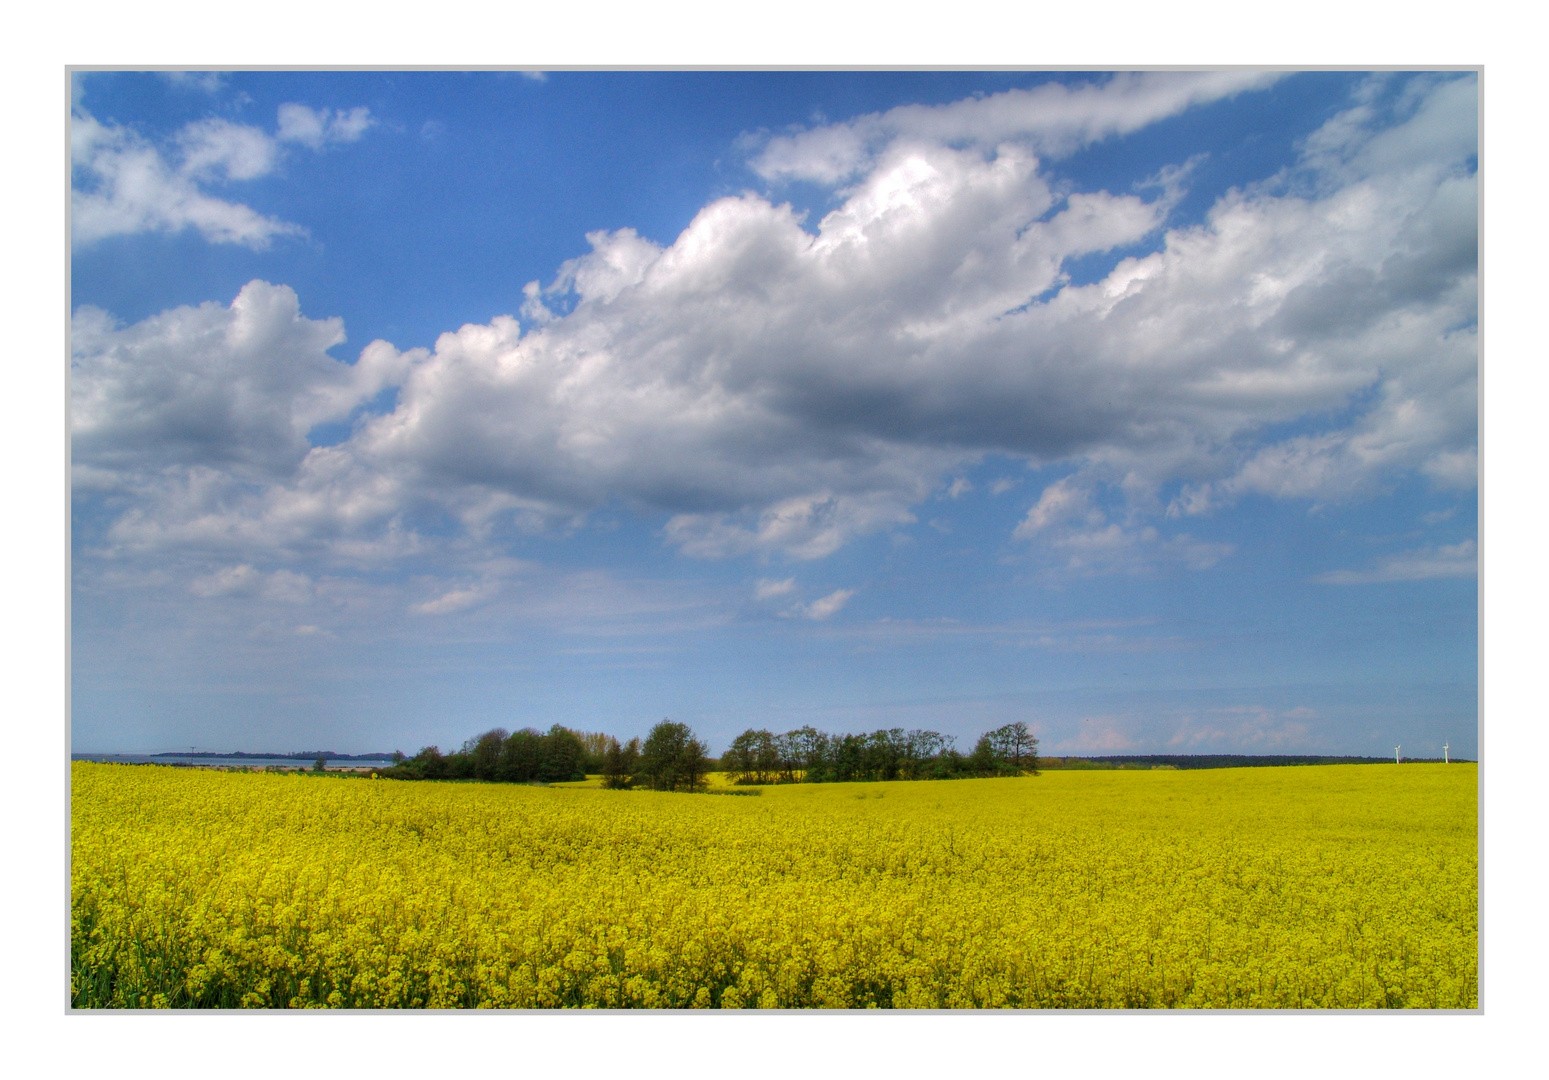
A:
x,y
1328,886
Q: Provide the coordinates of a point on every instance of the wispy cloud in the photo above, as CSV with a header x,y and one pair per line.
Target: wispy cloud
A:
x,y
456,600
767,589
828,606
1245,728
1066,522
206,82
1055,117
124,184
1423,564
285,586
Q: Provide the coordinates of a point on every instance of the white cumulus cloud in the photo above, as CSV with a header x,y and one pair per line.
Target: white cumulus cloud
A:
x,y
234,386
775,388
315,128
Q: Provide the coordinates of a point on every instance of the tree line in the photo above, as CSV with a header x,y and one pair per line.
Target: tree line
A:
x,y
520,757
670,759
673,758
807,755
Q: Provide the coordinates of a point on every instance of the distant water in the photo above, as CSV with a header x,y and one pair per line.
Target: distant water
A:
x,y
229,762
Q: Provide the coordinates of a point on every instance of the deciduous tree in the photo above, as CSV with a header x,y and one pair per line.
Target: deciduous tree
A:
x,y
672,759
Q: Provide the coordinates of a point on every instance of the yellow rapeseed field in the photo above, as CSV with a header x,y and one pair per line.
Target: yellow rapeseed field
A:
x,y
1334,886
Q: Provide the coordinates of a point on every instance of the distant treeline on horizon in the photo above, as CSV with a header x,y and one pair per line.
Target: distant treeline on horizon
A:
x,y
300,755
673,758
738,760
1220,761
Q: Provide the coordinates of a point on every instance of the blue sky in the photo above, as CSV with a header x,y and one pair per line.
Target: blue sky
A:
x,y
1140,408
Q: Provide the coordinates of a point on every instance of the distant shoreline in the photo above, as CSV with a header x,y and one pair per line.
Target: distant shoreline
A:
x,y
306,755
1222,761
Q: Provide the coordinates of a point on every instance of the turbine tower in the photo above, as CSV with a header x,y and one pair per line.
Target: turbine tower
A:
x,y
1395,756
1445,758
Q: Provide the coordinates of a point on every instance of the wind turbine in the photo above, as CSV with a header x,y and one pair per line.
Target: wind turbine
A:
x,y
1445,759
1395,755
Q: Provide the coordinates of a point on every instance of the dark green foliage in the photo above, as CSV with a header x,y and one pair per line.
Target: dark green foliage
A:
x,y
758,756
485,752
1016,746
428,763
620,763
947,765
562,757
755,757
812,756
519,757
594,746
983,761
525,757
672,759
807,748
